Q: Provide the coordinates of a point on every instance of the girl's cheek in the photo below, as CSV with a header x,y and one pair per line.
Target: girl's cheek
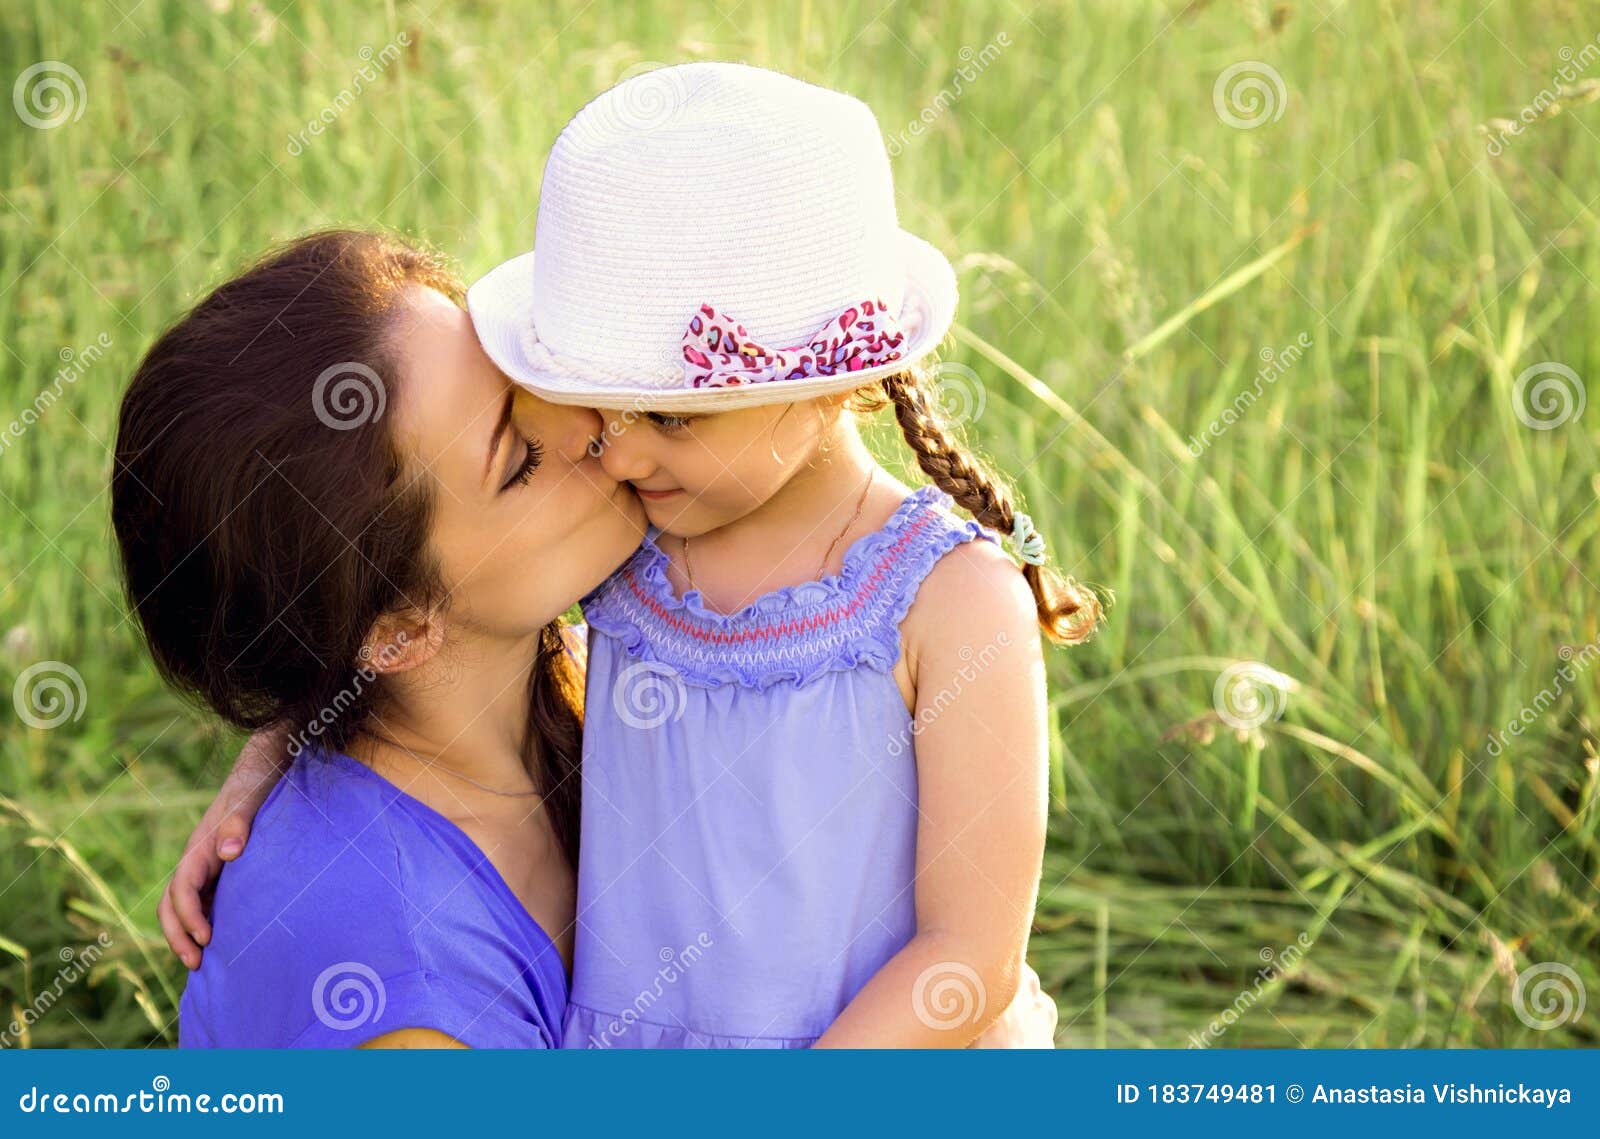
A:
x,y
723,485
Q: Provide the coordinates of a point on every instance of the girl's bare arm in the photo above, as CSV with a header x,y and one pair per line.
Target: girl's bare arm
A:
x,y
973,645
219,837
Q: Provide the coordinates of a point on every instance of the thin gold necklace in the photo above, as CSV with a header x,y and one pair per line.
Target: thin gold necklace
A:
x,y
435,765
688,566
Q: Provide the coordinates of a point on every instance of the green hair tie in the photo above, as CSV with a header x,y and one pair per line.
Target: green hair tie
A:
x,y
1026,541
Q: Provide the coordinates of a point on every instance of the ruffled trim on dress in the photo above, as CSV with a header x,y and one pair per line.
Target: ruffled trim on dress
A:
x,y
589,1028
795,634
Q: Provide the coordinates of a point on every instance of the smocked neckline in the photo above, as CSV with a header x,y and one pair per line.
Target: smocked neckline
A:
x,y
794,634
653,560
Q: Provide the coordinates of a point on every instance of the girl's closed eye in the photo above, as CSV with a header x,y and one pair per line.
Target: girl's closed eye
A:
x,y
532,457
668,424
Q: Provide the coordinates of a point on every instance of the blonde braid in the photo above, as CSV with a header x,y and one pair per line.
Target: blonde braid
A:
x,y
1068,612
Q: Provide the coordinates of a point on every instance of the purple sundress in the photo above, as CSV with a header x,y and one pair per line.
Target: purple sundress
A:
x,y
749,799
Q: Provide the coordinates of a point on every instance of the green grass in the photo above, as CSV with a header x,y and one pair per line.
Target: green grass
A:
x,y
1379,526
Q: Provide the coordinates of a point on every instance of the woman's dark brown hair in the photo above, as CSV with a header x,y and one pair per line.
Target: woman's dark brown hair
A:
x,y
266,517
1068,612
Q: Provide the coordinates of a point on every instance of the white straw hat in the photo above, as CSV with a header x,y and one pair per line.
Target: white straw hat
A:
x,y
718,223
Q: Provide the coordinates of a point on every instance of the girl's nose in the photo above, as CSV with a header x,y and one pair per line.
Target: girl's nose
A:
x,y
567,431
625,456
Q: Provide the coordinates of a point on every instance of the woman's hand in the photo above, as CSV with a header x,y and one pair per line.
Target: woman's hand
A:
x,y
1029,1022
219,837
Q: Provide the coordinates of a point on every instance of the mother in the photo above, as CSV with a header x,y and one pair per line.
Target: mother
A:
x,y
335,513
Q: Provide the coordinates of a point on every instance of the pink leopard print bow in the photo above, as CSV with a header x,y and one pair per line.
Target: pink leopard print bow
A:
x,y
718,352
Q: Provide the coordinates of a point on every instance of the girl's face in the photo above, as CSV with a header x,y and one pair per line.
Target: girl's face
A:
x,y
525,520
699,472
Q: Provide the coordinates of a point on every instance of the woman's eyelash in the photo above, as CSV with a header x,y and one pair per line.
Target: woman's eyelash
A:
x,y
530,463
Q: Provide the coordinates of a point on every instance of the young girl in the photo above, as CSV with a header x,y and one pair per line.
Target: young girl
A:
x,y
814,763
814,754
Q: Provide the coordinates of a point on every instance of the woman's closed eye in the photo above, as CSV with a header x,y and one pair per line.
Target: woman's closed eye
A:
x,y
533,455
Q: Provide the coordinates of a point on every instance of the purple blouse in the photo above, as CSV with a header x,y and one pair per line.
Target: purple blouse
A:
x,y
357,910
749,798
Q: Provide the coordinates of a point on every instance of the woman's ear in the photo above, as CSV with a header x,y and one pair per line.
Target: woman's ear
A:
x,y
403,640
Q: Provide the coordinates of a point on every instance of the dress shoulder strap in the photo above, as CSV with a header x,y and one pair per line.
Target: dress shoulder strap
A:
x,y
895,560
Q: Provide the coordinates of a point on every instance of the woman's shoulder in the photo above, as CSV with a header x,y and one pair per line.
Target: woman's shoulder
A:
x,y
332,927
310,911
327,828
324,800
329,790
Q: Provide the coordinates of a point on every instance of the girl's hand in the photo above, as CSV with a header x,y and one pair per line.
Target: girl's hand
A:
x,y
1030,1021
219,837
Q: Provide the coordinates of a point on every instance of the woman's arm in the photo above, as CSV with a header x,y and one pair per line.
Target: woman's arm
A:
x,y
219,837
973,647
414,1038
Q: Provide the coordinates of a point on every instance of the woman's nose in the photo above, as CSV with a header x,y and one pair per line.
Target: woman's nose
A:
x,y
568,431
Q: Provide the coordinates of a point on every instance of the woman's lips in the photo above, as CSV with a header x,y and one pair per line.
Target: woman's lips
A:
x,y
655,495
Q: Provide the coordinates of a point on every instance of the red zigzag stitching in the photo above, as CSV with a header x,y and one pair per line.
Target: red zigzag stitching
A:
x,y
804,625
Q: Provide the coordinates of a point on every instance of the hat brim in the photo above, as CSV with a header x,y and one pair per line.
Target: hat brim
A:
x,y
501,306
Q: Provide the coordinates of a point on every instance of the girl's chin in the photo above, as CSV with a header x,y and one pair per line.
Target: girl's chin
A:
x,y
681,515
674,519
663,513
